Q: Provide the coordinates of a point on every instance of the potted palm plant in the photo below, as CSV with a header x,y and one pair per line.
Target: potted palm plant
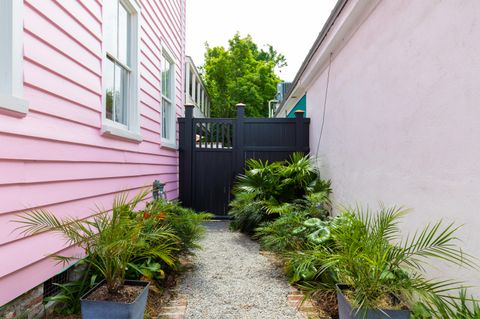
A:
x,y
109,240
382,275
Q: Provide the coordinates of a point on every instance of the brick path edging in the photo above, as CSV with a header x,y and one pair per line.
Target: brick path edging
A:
x,y
306,308
175,309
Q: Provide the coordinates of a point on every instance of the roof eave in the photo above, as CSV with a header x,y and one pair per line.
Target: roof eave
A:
x,y
316,45
345,19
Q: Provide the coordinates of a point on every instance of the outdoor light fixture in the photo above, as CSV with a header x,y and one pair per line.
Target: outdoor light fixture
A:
x,y
158,190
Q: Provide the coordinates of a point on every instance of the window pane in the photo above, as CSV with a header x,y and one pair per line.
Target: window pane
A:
x,y
123,34
121,88
166,78
109,88
110,9
166,107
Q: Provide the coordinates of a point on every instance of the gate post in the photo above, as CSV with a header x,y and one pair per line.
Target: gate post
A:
x,y
239,156
187,196
299,133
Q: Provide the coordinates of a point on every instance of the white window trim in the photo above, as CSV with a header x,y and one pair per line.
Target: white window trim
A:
x,y
11,59
111,128
170,143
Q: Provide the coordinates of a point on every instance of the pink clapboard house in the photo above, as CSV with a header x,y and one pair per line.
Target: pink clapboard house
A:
x,y
89,95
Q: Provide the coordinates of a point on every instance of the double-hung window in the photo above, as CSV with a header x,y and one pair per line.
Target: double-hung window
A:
x,y
168,98
120,74
11,59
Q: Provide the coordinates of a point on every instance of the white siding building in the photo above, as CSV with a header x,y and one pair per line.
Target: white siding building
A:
x,y
195,91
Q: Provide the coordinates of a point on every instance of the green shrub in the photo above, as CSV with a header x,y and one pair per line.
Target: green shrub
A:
x,y
109,239
247,213
120,243
185,223
281,235
268,190
303,265
306,222
368,254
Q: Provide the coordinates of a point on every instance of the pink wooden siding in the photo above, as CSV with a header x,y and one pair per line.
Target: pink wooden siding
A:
x,y
56,155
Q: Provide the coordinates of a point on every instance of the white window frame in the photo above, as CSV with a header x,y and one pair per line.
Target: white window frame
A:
x,y
172,141
11,59
110,128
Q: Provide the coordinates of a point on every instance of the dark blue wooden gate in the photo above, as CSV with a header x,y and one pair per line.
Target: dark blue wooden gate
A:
x,y
213,152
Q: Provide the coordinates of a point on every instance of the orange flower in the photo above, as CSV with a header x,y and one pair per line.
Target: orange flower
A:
x,y
146,215
161,216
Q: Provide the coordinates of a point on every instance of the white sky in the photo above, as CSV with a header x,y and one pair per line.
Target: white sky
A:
x,y
290,26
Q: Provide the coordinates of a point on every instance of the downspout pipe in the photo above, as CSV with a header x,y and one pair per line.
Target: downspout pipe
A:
x,y
271,110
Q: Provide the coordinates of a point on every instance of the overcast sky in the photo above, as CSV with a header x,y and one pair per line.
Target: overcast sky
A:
x,y
290,26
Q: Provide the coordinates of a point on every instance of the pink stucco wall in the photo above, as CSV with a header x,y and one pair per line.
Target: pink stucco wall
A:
x,y
402,123
56,157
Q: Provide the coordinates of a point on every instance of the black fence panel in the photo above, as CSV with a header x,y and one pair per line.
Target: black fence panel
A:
x,y
214,151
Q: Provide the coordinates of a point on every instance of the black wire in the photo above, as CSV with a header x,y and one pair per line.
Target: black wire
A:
x,y
324,104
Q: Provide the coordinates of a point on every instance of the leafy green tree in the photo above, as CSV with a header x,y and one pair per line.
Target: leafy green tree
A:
x,y
243,73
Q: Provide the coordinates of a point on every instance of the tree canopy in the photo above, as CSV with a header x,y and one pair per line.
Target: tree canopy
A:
x,y
243,73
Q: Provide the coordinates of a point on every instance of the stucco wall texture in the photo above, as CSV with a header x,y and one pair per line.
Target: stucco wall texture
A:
x,y
402,121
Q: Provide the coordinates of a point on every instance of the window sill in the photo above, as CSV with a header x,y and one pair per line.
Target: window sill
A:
x,y
169,145
13,106
119,133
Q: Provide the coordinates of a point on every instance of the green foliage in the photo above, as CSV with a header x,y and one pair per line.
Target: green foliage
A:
x,y
184,222
269,190
243,73
111,240
70,292
306,224
246,213
461,307
281,235
303,264
465,307
122,243
368,254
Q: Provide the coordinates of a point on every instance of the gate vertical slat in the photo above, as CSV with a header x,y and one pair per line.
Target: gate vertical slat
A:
x,y
223,135
206,135
229,140
198,129
238,145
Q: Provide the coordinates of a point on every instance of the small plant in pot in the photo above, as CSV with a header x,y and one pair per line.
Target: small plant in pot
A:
x,y
382,275
109,239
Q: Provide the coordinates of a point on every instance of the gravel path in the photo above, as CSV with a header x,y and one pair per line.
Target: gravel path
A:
x,y
231,280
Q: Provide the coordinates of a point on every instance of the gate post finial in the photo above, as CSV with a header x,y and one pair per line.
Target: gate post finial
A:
x,y
240,110
299,113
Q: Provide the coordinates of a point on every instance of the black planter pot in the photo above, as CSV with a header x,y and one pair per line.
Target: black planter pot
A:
x,y
93,309
346,311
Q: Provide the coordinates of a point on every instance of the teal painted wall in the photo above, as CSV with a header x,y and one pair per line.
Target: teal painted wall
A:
x,y
301,105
